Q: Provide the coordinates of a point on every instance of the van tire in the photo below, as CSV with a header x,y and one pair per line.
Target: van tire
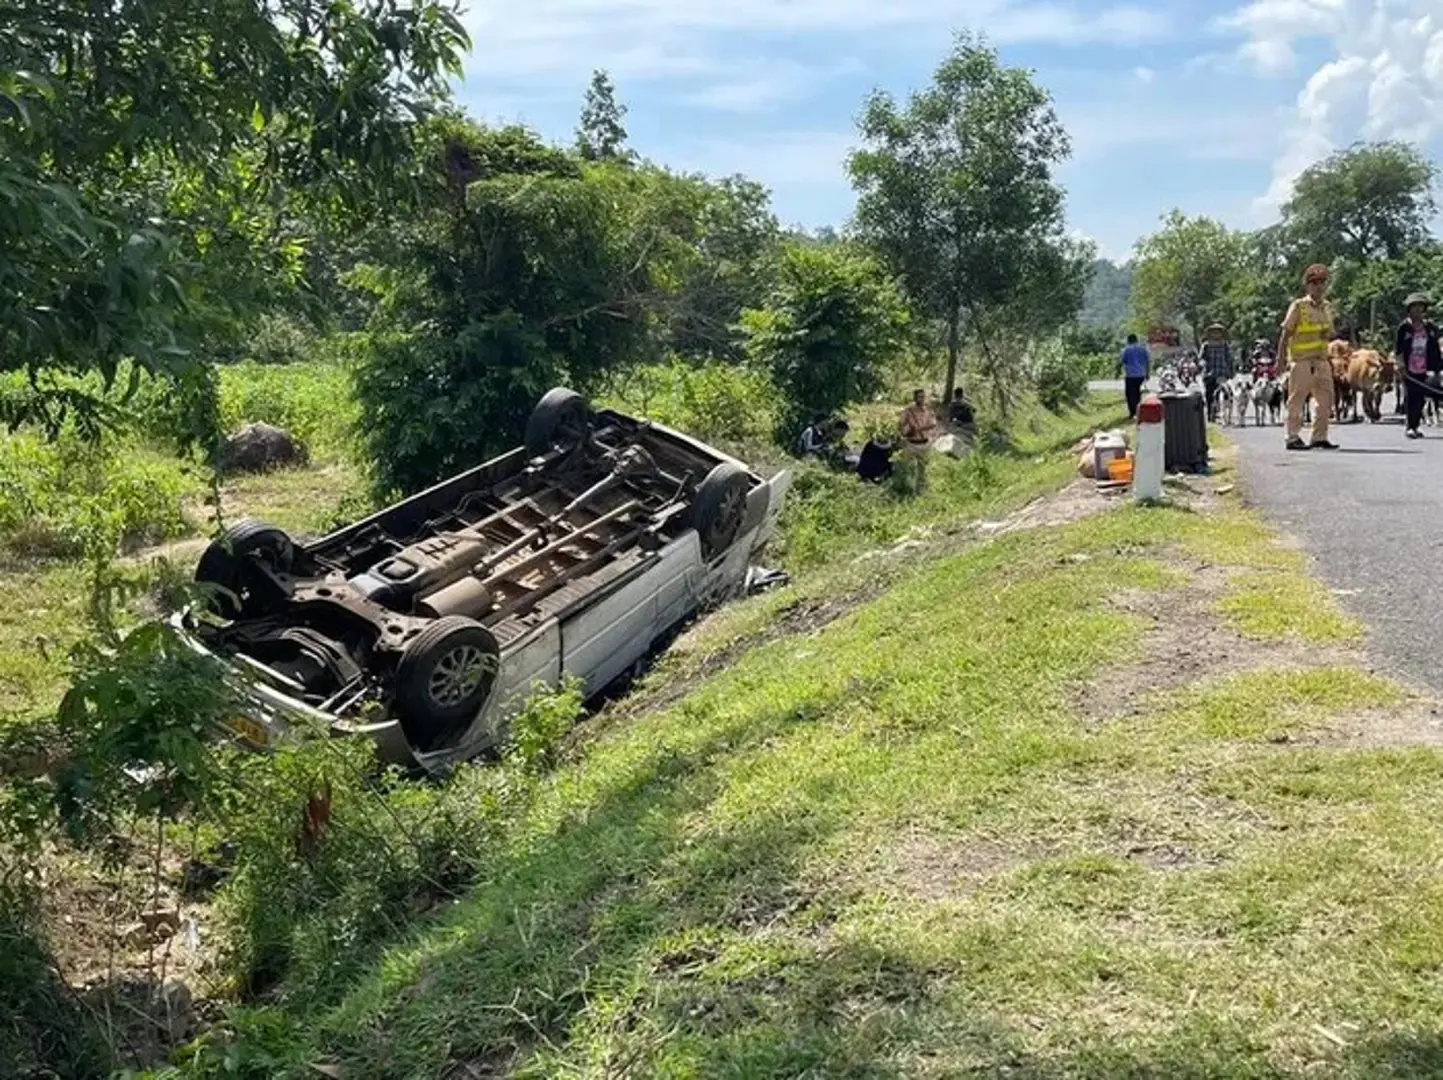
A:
x,y
720,507
444,678
558,421
228,563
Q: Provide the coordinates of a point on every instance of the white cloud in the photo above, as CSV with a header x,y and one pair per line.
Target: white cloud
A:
x,y
1144,74
1383,81
780,158
658,39
757,88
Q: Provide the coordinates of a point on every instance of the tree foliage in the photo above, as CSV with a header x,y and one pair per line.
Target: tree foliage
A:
x,y
1363,211
520,281
1370,201
601,132
140,143
1106,302
1183,271
735,241
955,190
831,324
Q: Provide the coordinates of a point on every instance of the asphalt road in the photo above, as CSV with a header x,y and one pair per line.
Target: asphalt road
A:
x,y
1372,514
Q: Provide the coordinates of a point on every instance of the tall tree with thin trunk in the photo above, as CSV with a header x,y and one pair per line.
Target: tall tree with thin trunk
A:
x,y
955,189
601,133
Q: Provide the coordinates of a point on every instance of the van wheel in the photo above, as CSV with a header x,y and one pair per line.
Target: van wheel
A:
x,y
230,564
719,507
444,678
559,421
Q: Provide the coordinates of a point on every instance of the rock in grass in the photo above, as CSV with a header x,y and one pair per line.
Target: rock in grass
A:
x,y
261,447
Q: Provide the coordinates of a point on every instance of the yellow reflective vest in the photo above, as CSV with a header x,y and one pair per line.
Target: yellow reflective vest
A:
x,y
1312,330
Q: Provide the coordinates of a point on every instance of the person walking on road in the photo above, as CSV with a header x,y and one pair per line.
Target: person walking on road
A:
x,y
918,424
1303,346
1417,351
1135,363
1217,366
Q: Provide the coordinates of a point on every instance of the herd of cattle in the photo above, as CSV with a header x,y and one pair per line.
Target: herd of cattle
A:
x,y
1361,377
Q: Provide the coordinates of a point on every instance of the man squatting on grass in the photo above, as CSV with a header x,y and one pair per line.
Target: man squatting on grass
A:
x,y
1303,345
1134,363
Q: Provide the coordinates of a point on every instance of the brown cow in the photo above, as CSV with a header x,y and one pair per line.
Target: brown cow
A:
x,y
1366,376
1344,399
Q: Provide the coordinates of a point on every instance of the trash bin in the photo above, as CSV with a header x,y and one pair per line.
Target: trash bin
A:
x,y
1185,432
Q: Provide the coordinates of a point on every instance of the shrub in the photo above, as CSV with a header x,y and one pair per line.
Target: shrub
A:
x,y
1061,380
547,719
279,339
719,402
538,280
67,497
830,327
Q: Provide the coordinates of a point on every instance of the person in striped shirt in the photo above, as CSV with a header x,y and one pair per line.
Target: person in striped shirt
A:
x,y
1217,365
1303,346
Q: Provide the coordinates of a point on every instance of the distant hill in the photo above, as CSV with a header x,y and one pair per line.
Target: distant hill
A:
x,y
1105,303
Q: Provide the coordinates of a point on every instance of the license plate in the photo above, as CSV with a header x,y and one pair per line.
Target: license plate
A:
x,y
252,731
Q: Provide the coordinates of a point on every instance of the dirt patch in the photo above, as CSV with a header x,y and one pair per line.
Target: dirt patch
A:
x,y
181,552
927,866
1184,642
1412,724
1079,500
1188,642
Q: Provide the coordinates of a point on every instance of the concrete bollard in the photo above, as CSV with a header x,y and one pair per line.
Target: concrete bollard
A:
x,y
1148,461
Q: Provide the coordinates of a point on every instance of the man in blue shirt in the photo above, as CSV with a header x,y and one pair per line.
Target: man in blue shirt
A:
x,y
1135,364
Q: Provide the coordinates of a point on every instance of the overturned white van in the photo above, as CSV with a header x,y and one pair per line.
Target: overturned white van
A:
x,y
426,626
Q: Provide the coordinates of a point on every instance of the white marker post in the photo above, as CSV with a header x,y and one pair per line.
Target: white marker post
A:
x,y
1147,466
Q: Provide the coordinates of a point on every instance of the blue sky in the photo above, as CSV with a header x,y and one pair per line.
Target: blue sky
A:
x,y
1209,105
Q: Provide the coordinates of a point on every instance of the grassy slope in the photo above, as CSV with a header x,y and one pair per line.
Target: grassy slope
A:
x,y
896,847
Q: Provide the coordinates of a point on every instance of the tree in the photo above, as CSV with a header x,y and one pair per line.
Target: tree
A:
x,y
141,143
1369,296
955,189
601,133
1371,201
1106,300
1183,270
831,324
516,282
735,240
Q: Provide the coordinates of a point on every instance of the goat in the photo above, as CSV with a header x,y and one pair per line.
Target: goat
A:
x,y
1239,388
1267,398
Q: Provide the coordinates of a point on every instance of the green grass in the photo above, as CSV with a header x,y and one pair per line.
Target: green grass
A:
x,y
830,515
1271,606
314,401
893,848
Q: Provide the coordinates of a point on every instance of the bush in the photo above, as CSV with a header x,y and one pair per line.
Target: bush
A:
x,y
68,497
1061,380
1099,365
279,339
830,328
719,402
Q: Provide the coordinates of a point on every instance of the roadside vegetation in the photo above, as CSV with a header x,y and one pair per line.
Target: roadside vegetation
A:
x,y
905,841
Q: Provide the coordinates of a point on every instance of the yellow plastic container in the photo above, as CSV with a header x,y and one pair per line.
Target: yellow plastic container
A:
x,y
1120,470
